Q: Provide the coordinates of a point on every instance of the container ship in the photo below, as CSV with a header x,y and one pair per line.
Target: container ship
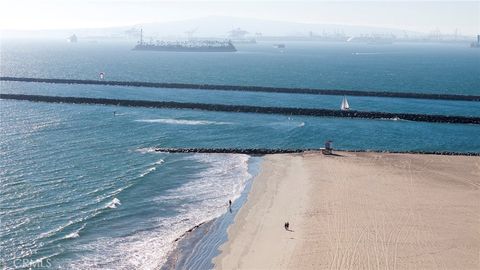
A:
x,y
186,46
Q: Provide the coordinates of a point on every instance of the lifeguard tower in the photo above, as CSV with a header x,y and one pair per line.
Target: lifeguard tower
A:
x,y
328,150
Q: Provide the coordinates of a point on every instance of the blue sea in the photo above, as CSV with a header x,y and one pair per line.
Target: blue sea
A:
x,y
82,187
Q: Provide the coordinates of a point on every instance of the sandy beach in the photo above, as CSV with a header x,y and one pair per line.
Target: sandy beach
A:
x,y
359,211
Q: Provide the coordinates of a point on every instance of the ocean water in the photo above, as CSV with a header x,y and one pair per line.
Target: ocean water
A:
x,y
429,68
81,192
83,188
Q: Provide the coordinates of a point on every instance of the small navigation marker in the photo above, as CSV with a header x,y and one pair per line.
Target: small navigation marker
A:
x,y
102,75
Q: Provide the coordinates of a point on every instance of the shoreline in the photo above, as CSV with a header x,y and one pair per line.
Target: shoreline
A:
x,y
209,235
358,210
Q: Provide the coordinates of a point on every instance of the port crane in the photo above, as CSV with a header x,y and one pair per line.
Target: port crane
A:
x,y
190,33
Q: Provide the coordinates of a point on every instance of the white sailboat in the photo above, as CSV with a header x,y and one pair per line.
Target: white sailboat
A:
x,y
344,106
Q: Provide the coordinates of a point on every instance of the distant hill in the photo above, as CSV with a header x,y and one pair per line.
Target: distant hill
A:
x,y
212,26
219,26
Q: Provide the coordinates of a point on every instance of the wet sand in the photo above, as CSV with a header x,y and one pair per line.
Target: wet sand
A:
x,y
359,211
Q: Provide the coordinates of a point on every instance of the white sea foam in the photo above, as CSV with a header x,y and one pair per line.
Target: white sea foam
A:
x,y
393,119
146,172
181,121
114,203
202,198
159,162
72,235
76,233
146,150
290,124
56,230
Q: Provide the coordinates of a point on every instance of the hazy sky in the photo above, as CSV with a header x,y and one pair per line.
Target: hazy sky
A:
x,y
423,16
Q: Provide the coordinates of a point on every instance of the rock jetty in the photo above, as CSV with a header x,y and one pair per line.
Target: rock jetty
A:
x,y
246,88
250,109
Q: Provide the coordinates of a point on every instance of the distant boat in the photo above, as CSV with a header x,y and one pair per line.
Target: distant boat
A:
x,y
345,106
72,39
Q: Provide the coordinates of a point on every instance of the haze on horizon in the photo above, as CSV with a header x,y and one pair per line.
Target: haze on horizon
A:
x,y
419,16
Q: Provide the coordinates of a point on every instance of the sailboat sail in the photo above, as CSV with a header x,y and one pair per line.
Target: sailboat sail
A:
x,y
344,105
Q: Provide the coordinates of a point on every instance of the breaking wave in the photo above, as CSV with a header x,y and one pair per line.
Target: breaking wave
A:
x,y
173,121
146,150
204,197
149,170
76,233
114,203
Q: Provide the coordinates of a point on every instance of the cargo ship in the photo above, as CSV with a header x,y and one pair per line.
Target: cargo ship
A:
x,y
185,46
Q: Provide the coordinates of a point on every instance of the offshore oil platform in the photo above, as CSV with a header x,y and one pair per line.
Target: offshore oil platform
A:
x,y
185,46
